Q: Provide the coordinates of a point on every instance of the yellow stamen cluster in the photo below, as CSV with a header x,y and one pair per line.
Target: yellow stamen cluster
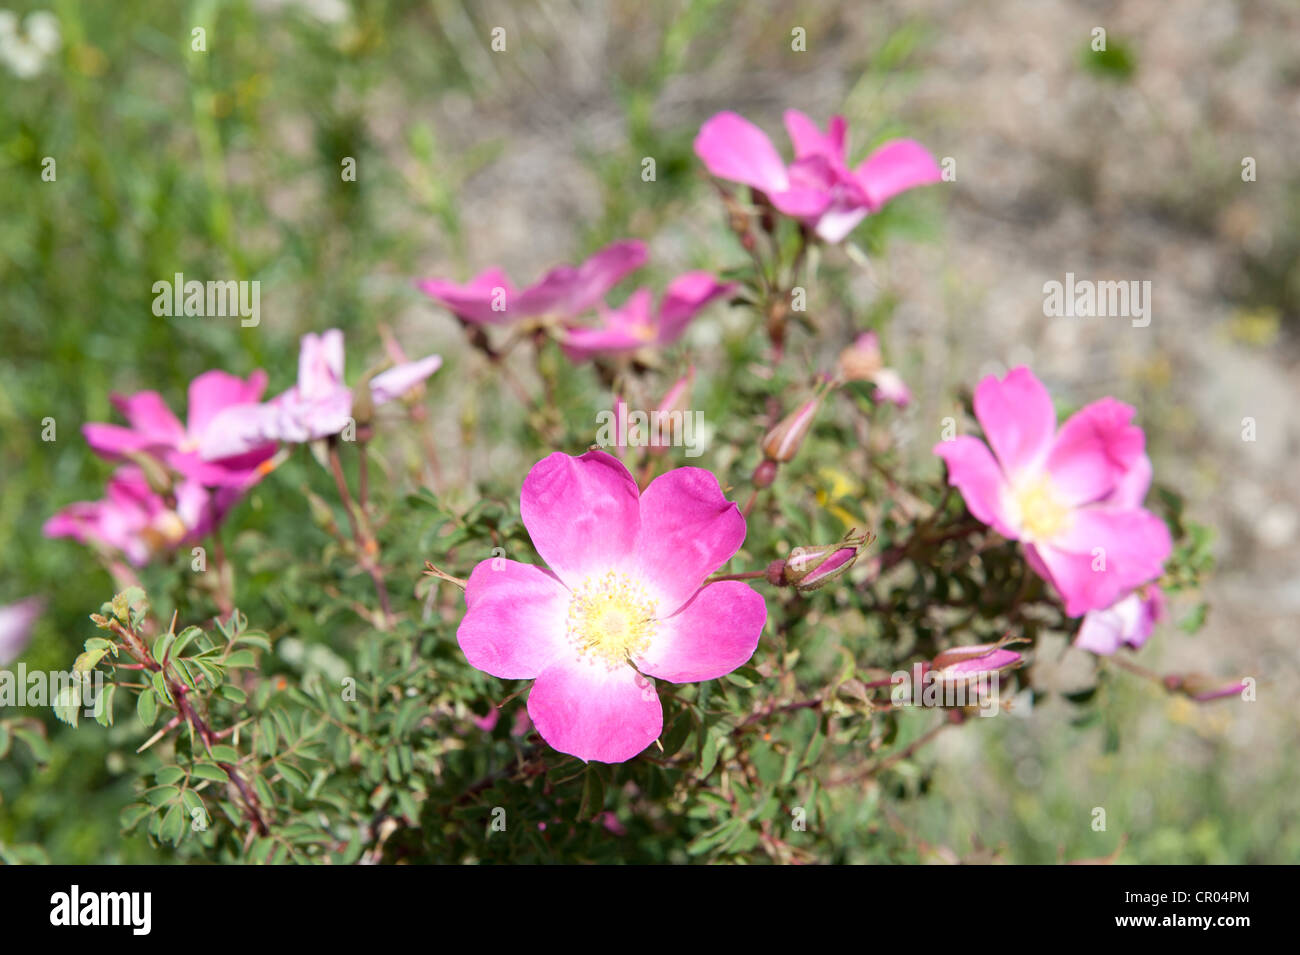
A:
x,y
1042,515
611,619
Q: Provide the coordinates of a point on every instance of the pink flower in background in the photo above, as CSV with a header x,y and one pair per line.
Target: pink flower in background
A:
x,y
16,622
1129,620
635,324
139,523
319,406
565,292
622,600
862,361
154,430
1073,497
818,188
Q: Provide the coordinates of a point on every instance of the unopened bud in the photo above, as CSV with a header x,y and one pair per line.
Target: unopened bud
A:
x,y
782,442
811,568
1202,688
974,660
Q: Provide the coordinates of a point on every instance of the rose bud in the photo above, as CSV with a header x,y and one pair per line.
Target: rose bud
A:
x,y
1203,689
782,442
974,660
810,568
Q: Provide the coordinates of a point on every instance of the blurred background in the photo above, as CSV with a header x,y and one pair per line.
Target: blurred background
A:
x,y
1119,164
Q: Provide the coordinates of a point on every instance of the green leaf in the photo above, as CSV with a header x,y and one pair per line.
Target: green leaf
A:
x,y
208,771
146,708
225,754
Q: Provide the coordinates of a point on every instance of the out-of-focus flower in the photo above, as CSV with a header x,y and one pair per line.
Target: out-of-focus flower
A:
x,y
862,361
636,324
319,406
25,51
138,522
154,430
1203,689
564,293
818,188
623,599
1128,620
16,620
1072,497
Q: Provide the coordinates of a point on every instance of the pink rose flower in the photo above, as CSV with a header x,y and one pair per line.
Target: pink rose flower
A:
x,y
16,622
139,523
635,324
1129,620
818,188
564,292
622,600
319,406
1073,497
155,430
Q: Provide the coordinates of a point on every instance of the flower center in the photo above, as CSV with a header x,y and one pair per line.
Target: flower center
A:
x,y
1042,516
611,618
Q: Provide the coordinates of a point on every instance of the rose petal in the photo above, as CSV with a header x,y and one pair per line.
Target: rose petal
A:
x,y
581,513
569,291
515,619
688,530
1018,419
715,632
1134,543
595,713
1093,450
895,167
214,390
473,301
148,414
732,147
974,472
395,382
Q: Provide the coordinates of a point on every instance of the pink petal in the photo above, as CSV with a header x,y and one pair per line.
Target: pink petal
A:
x,y
1093,450
581,513
16,622
895,167
1131,488
684,297
809,140
214,390
1135,544
688,530
717,631
802,203
568,291
595,713
473,301
974,472
111,441
1129,620
838,221
395,382
733,148
515,619
1018,419
320,363
147,413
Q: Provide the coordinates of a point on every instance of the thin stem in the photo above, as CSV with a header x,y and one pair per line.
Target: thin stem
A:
x,y
367,547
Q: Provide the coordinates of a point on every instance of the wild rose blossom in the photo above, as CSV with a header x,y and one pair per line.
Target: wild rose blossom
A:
x,y
621,601
1073,497
565,292
138,522
818,188
154,430
1129,620
16,620
319,406
636,324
